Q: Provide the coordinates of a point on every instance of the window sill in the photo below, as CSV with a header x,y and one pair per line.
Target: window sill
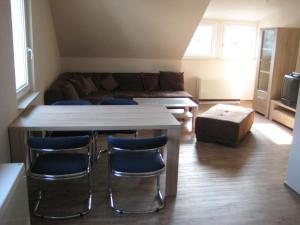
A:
x,y
27,100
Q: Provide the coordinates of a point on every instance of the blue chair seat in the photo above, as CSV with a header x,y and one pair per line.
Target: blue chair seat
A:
x,y
60,164
72,102
136,162
58,142
117,101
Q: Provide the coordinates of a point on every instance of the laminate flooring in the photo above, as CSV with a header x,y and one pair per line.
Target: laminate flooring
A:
x,y
217,185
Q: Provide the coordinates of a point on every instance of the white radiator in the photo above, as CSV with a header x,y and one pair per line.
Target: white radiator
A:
x,y
218,88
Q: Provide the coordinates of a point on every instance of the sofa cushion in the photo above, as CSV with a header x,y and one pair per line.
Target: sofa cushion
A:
x,y
129,81
69,91
99,95
150,81
109,83
152,94
171,81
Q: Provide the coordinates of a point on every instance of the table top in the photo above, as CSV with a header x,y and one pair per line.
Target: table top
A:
x,y
95,117
167,102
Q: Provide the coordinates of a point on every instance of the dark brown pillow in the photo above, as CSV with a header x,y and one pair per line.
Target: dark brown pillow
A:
x,y
129,81
109,83
69,91
171,81
89,85
79,86
150,81
97,78
92,84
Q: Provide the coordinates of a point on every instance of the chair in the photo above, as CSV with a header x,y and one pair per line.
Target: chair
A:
x,y
116,101
59,159
75,133
136,158
72,102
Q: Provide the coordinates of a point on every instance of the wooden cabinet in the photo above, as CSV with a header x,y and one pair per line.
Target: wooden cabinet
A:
x,y
282,113
277,57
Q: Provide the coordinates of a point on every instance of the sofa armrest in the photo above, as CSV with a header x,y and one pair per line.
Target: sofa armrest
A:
x,y
52,95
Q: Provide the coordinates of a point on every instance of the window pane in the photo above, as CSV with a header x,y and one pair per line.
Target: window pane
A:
x,y
19,41
203,41
238,41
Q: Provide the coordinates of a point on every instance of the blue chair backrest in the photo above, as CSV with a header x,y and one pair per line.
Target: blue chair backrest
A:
x,y
58,142
137,143
72,102
117,101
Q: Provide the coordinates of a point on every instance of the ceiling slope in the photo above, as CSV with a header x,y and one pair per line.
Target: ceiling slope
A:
x,y
126,28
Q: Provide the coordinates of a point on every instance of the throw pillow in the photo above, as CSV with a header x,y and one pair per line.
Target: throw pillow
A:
x,y
150,81
89,85
171,81
109,83
79,86
69,91
92,84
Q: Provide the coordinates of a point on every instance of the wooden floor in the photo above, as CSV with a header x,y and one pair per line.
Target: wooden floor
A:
x,y
217,185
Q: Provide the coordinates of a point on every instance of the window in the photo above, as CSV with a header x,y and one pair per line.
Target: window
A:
x,y
20,41
203,42
239,41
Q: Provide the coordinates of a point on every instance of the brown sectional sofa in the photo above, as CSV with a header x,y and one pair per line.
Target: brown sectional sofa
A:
x,y
96,86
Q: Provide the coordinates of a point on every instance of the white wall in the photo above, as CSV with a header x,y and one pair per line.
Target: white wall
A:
x,y
46,53
8,103
118,65
241,71
47,65
293,175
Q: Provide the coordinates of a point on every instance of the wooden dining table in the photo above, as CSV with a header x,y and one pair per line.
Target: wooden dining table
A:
x,y
96,117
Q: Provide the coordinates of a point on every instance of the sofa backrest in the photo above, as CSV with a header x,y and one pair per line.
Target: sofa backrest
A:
x,y
162,81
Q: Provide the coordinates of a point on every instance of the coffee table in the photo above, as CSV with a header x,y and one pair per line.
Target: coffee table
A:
x,y
173,103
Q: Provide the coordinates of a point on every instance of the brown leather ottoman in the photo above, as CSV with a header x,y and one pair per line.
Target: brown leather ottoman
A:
x,y
225,124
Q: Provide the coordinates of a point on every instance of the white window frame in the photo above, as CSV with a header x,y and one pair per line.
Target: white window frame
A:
x,y
26,88
214,41
224,24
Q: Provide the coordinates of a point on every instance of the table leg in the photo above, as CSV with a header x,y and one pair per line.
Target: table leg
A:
x,y
172,160
195,113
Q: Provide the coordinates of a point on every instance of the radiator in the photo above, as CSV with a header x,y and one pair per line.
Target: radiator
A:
x,y
217,89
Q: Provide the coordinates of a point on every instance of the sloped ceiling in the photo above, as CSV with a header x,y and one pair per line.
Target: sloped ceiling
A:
x,y
126,28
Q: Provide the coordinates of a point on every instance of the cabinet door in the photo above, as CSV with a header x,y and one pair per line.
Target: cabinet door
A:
x,y
262,92
264,73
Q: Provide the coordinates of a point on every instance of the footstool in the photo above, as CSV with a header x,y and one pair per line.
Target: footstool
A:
x,y
225,124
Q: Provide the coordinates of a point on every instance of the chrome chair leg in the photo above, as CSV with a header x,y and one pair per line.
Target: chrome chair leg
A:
x,y
159,197
73,215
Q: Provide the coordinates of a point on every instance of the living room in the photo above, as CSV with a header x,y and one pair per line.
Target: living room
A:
x,y
217,184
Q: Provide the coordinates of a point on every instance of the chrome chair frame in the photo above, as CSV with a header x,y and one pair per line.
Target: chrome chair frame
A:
x,y
83,174
159,197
